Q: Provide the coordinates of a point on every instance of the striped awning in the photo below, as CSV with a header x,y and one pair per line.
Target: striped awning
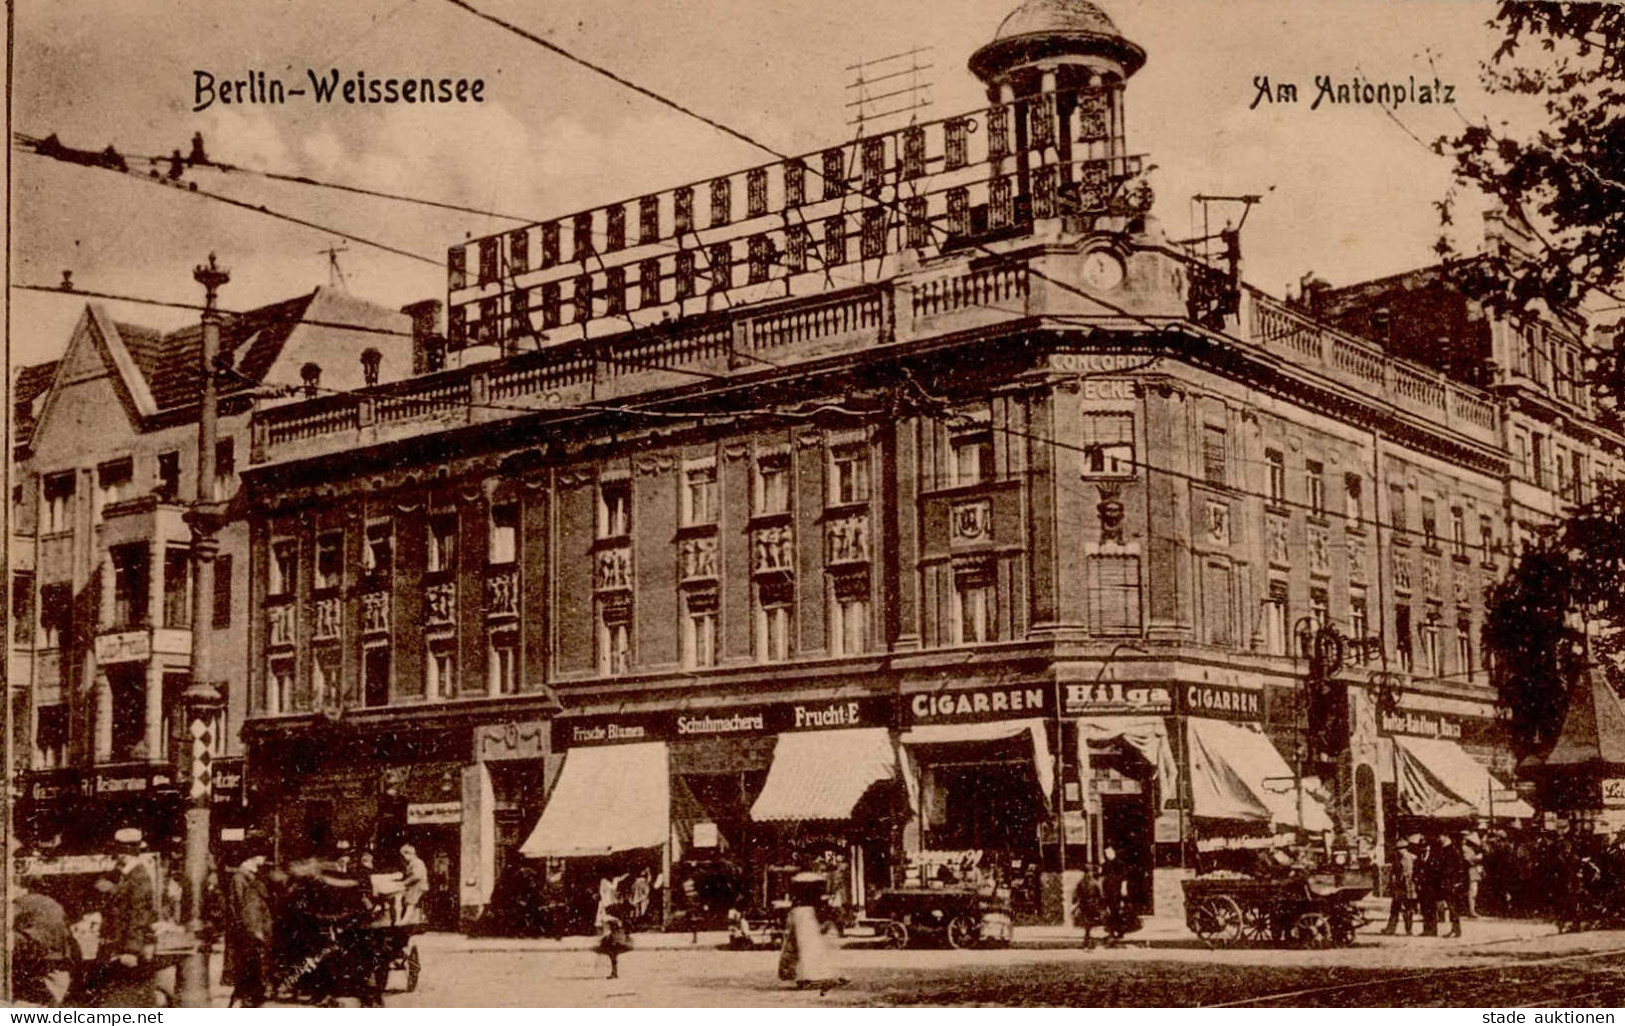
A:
x,y
822,775
608,799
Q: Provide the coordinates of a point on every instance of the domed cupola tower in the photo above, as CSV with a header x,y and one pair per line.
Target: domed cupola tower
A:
x,y
1071,49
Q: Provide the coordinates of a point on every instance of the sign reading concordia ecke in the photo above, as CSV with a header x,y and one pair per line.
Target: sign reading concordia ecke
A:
x,y
721,721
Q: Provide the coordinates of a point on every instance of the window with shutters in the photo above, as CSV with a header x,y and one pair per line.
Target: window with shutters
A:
x,y
518,251
550,244
721,201
1114,594
615,228
489,257
916,212
721,257
615,291
683,210
874,163
756,192
649,219
834,173
873,245
581,236
685,274
761,258
956,135
795,183
649,281
1213,454
913,152
959,211
1108,443
795,249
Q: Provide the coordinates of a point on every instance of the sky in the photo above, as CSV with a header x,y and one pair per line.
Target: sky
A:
x,y
1349,191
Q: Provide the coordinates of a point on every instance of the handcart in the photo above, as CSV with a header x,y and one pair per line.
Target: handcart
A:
x,y
1231,911
960,917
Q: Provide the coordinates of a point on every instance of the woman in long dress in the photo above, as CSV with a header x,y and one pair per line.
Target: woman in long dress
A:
x,y
805,957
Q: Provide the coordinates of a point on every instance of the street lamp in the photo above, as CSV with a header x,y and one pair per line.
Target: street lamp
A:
x,y
202,699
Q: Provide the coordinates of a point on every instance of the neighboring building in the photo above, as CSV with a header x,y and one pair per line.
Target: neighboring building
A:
x,y
106,450
912,498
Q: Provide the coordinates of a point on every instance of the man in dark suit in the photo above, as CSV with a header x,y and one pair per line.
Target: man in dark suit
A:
x,y
124,954
249,931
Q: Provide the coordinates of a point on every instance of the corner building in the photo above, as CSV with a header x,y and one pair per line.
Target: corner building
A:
x,y
914,498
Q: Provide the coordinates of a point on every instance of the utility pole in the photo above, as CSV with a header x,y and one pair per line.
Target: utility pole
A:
x,y
202,698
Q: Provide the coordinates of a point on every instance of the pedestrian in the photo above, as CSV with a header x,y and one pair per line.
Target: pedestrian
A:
x,y
414,886
248,935
641,889
1113,889
1472,855
1402,883
615,940
1451,872
609,893
124,954
43,952
805,957
1086,905
1427,884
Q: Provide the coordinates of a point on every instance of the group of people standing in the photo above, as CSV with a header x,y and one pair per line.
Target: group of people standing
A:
x,y
1435,880
1102,899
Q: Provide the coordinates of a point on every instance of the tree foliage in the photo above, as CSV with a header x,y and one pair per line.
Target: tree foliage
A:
x,y
1563,181
1569,583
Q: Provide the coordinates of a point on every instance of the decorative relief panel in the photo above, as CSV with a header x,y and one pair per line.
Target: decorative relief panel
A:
x,y
614,569
1216,523
1280,549
847,539
1356,547
1402,569
440,602
1458,582
281,625
971,523
375,612
1320,561
697,558
1430,576
773,549
328,620
502,593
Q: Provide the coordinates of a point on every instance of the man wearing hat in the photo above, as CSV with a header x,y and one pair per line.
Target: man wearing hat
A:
x,y
1402,882
125,951
248,933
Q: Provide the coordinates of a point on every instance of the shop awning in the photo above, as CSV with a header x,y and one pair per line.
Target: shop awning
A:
x,y
608,799
1147,735
1236,773
964,733
822,774
1439,780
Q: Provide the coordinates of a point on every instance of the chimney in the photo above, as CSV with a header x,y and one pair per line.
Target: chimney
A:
x,y
425,314
370,360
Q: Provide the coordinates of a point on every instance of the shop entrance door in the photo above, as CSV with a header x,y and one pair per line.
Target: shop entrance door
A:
x,y
1126,826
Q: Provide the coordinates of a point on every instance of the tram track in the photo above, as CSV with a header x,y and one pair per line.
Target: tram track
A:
x,y
1435,974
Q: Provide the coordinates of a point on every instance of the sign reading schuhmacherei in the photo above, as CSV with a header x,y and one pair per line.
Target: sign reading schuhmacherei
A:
x,y
721,721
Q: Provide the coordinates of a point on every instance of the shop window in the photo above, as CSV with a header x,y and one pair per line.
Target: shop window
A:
x,y
974,608
614,636
774,602
1276,619
849,477
22,609
177,587
1213,454
325,682
329,560
378,557
849,615
1218,604
51,736
1359,624
440,668
375,667
56,615
130,582
771,493
1430,523
1108,442
972,458
504,538
283,576
1314,480
1114,594
442,555
168,488
1276,464
58,491
1353,500
700,493
1402,636
502,663
699,629
112,483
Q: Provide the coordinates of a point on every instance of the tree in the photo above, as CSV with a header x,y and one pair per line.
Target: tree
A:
x,y
1564,181
1570,583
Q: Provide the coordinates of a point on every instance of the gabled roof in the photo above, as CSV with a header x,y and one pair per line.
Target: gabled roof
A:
x,y
169,363
1594,729
30,387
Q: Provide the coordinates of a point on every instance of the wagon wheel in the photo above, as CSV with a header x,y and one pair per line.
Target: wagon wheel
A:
x,y
1257,924
961,932
1313,930
896,934
1217,919
414,968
